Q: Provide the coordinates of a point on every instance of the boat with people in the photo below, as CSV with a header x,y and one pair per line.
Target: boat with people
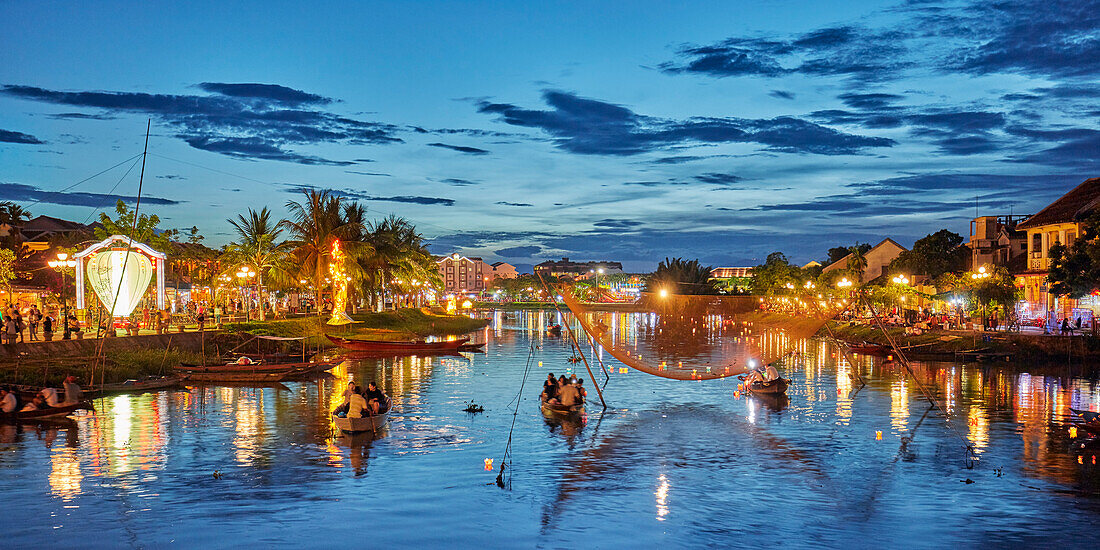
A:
x,y
47,413
777,386
553,330
369,423
402,346
557,410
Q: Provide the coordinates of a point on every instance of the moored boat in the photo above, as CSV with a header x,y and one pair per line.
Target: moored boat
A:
x,y
133,386
877,350
399,346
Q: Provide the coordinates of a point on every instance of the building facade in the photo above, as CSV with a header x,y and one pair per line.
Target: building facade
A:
x,y
503,270
730,272
463,275
997,241
878,260
1059,222
577,270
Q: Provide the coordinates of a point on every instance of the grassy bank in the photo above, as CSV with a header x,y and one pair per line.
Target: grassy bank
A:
x,y
120,365
402,324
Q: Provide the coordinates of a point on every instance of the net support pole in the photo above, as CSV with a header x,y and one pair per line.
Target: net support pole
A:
x,y
573,338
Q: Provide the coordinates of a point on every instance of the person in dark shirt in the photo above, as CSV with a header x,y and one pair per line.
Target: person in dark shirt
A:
x,y
375,397
549,388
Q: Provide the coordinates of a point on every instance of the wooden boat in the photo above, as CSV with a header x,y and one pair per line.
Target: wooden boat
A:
x,y
556,410
365,424
779,385
398,346
553,330
877,350
52,412
1087,416
222,376
144,384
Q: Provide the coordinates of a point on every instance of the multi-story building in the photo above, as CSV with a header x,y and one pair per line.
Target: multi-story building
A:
x,y
1059,222
503,270
464,275
995,240
576,270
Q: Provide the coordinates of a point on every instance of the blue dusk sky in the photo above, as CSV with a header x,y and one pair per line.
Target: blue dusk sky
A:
x,y
523,131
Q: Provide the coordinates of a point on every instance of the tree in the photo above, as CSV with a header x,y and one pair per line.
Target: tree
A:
x,y
1075,270
313,225
935,254
857,263
773,276
257,246
399,257
681,276
7,270
13,216
145,231
838,253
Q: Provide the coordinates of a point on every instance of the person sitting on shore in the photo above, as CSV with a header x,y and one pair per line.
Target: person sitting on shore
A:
x,y
50,396
356,404
568,395
73,393
375,397
9,402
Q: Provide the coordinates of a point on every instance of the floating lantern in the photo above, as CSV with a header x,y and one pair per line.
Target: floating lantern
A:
x,y
488,464
737,394
878,435
1073,432
540,364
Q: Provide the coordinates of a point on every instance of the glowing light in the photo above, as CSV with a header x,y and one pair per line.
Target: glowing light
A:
x,y
127,273
878,435
339,287
662,497
488,464
663,293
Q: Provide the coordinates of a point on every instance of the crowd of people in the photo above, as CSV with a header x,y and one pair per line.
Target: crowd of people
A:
x,y
360,402
45,399
567,392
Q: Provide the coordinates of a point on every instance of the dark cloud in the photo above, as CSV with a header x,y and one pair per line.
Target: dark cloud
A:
x,y
458,181
781,94
9,136
272,92
80,116
718,178
869,101
20,192
1082,153
518,251
861,53
588,126
356,195
369,173
247,121
460,148
171,177
656,183
681,159
506,203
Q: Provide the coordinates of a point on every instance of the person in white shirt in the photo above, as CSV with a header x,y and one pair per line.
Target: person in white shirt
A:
x,y
568,395
8,402
73,393
770,374
356,405
50,395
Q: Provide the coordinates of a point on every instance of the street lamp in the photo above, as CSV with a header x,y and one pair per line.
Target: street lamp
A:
x,y
60,264
243,275
844,283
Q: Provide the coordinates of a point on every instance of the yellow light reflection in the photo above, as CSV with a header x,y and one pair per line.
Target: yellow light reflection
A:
x,y
65,475
662,497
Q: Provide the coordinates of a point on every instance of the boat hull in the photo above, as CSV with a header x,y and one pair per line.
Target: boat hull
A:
x,y
561,411
399,346
364,424
52,412
777,386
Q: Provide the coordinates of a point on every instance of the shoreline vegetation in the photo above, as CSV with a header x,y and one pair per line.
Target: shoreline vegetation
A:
x,y
138,362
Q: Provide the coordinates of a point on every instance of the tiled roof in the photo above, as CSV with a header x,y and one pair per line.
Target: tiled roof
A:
x,y
1070,207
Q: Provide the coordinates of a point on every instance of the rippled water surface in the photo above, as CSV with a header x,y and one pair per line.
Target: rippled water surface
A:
x,y
670,464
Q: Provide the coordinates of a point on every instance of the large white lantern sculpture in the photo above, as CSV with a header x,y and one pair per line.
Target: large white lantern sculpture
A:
x,y
119,277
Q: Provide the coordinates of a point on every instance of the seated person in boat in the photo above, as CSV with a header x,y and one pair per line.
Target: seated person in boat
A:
x,y
357,404
581,390
375,397
9,402
73,393
50,396
568,395
244,360
770,374
38,404
549,388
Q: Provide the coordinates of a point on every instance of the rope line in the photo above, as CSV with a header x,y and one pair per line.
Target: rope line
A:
x,y
501,481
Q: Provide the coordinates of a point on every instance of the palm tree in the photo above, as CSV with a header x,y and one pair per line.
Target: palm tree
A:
x,y
857,263
400,257
314,224
681,277
257,246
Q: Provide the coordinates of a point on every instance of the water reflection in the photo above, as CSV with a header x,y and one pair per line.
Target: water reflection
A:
x,y
665,462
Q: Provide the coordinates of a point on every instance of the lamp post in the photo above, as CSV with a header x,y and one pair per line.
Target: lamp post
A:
x,y
60,264
243,275
977,278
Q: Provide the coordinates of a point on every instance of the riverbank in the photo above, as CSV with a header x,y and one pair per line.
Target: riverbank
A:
x,y
973,345
47,363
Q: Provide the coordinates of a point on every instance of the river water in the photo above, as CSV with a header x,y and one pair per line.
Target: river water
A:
x,y
679,464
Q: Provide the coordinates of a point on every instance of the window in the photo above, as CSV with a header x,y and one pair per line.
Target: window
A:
x,y
1070,237
1037,243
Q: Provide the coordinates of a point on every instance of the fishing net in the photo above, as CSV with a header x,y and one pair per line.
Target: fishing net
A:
x,y
701,337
